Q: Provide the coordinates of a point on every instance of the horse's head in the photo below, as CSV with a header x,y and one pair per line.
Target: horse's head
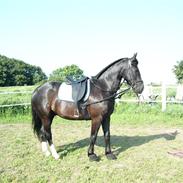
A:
x,y
132,75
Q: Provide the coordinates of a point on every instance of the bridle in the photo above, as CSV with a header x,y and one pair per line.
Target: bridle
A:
x,y
132,84
135,83
115,94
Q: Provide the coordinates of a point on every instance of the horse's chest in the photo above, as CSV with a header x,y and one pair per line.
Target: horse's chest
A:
x,y
104,108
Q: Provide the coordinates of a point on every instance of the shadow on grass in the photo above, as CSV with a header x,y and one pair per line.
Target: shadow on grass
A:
x,y
121,143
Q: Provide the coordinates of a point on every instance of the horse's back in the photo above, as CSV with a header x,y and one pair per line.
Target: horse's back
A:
x,y
48,90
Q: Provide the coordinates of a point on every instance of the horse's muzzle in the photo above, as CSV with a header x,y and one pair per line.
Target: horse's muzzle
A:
x,y
138,87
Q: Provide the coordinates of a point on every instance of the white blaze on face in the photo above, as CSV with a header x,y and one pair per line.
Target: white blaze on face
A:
x,y
129,63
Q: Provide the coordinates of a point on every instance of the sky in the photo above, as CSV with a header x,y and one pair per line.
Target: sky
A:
x,y
93,33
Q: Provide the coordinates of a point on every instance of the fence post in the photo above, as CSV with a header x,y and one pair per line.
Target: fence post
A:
x,y
163,95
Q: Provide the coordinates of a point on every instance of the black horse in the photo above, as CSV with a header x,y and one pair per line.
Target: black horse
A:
x,y
98,107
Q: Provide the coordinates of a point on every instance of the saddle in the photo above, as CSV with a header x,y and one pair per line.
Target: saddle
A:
x,y
79,88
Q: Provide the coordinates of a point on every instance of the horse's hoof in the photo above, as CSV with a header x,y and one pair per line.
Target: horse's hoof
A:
x,y
93,157
56,156
111,156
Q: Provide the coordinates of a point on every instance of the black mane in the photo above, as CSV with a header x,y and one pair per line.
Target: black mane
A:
x,y
107,67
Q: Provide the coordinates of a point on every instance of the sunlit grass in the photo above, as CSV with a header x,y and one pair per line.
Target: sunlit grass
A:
x,y
140,137
142,154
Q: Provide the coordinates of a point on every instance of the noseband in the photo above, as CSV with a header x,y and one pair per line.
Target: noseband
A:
x,y
132,84
135,83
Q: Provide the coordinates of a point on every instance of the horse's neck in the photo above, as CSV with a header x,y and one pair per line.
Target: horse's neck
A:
x,y
112,77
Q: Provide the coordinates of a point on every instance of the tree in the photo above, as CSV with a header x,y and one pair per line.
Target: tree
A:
x,y
178,71
61,73
16,72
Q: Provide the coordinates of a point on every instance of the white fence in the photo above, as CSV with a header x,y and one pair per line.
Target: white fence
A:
x,y
160,94
12,93
151,94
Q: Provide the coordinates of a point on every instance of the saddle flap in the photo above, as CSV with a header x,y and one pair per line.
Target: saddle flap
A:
x,y
78,90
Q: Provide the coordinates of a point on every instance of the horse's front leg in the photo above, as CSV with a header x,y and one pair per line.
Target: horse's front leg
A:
x,y
106,130
94,131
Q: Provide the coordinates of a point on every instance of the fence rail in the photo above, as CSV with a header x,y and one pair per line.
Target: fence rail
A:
x,y
162,93
16,92
12,105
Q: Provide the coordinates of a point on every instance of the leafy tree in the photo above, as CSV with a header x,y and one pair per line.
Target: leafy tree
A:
x,y
16,72
60,74
178,71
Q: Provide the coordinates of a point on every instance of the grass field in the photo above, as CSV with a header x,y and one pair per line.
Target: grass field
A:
x,y
141,136
142,153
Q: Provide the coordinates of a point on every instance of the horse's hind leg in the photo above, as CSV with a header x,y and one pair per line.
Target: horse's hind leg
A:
x,y
46,137
44,146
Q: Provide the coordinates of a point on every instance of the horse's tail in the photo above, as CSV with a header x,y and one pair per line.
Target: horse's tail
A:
x,y
36,122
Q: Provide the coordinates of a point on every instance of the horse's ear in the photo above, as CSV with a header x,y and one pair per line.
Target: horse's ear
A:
x,y
134,60
135,55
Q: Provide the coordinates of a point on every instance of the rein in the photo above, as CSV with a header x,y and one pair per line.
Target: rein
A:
x,y
113,96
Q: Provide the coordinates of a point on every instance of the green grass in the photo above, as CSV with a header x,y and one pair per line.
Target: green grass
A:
x,y
140,137
138,132
15,98
17,88
15,113
131,114
148,114
142,154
